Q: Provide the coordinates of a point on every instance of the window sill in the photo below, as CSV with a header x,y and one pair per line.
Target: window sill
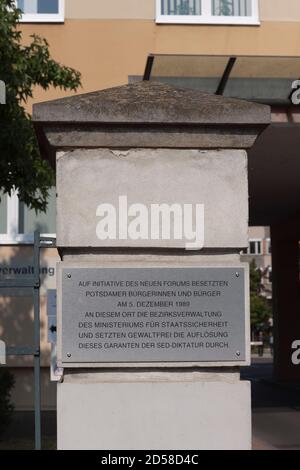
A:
x,y
225,21
42,19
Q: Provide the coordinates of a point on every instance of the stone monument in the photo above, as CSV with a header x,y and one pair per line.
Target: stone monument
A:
x,y
153,300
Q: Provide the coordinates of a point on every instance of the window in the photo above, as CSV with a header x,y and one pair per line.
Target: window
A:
x,y
29,220
42,10
255,247
18,223
207,11
268,246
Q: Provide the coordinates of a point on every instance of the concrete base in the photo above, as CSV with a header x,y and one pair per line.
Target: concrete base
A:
x,y
99,411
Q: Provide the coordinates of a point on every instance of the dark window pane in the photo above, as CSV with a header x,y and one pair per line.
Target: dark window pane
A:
x,y
252,248
48,6
181,7
231,7
21,4
39,6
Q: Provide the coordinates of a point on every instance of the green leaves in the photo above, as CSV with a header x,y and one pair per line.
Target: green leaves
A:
x,y
260,309
22,67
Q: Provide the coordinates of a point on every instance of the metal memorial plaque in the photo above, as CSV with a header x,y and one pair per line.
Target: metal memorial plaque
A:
x,y
131,315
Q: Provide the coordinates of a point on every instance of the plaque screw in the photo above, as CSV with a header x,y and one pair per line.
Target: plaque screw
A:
x,y
69,354
69,276
237,274
238,353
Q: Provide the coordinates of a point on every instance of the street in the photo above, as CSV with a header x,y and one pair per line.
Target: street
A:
x,y
275,408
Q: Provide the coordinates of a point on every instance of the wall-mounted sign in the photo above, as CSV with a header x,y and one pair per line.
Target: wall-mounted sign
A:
x,y
132,315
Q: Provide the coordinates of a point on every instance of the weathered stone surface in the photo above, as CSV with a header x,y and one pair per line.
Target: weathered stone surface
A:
x,y
148,114
201,137
217,179
151,102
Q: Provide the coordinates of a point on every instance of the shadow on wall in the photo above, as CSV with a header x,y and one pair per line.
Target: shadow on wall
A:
x,y
17,320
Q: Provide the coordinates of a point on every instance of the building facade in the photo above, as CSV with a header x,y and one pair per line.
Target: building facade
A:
x,y
109,43
260,251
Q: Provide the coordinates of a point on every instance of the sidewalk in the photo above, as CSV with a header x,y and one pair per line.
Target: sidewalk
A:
x,y
259,444
275,408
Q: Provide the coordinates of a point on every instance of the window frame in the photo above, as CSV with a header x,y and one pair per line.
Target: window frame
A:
x,y
45,17
12,235
256,241
268,247
208,18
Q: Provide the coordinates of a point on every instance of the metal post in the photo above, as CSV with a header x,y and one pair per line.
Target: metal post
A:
x,y
148,69
225,77
37,359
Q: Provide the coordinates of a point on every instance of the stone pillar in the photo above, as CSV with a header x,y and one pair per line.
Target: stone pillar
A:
x,y
286,299
149,144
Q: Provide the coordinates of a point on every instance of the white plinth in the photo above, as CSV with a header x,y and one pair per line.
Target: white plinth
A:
x,y
153,415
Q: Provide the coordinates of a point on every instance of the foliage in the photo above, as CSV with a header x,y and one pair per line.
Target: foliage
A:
x,y
22,67
6,407
255,278
260,309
